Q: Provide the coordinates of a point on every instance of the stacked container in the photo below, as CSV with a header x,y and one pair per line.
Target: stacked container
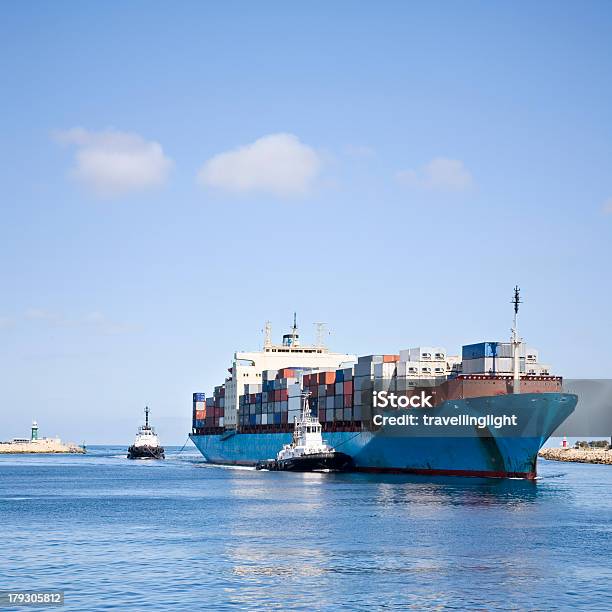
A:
x,y
214,417
495,358
199,410
268,404
331,395
423,365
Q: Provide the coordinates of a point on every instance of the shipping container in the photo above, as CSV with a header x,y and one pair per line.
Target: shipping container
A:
x,y
486,349
491,365
327,378
390,358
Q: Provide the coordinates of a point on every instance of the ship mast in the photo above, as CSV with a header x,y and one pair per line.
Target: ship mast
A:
x,y
292,339
516,343
146,417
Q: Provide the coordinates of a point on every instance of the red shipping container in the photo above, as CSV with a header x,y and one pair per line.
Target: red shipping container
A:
x,y
348,387
331,389
306,380
390,358
321,416
348,401
284,395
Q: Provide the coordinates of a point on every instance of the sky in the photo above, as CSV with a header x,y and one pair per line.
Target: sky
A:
x,y
175,174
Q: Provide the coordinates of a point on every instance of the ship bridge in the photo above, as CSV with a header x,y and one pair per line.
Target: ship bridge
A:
x,y
247,367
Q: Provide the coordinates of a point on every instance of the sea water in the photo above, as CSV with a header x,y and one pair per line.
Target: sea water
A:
x,y
180,534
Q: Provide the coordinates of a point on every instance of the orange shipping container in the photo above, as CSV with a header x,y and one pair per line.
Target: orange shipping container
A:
x,y
200,414
390,358
327,378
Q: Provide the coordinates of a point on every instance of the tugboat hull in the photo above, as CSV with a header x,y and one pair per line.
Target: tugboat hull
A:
x,y
145,452
334,461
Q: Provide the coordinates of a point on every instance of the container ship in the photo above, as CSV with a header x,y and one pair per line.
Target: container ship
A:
x,y
251,416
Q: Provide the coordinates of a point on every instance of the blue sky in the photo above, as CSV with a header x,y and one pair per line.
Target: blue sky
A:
x,y
174,175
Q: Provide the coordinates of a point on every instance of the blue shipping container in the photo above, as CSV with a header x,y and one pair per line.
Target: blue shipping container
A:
x,y
479,350
199,397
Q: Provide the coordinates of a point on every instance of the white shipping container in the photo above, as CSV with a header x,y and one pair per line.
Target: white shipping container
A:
x,y
408,368
221,421
439,353
264,419
384,370
423,353
537,369
294,403
488,365
295,390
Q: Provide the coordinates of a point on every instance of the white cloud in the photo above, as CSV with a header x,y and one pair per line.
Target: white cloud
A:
x,y
607,207
114,163
278,164
440,174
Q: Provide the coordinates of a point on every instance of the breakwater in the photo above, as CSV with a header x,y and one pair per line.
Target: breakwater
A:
x,y
577,455
46,445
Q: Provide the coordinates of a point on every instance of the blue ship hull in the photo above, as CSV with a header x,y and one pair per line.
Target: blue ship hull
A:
x,y
446,450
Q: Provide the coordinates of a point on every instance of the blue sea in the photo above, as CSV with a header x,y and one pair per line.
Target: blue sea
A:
x,y
182,535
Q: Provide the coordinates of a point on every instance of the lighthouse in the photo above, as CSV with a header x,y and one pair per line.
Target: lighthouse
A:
x,y
34,430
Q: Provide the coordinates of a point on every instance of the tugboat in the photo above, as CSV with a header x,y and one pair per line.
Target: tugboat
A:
x,y
146,445
307,451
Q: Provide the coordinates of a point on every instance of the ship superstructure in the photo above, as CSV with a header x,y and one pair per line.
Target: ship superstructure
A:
x,y
246,373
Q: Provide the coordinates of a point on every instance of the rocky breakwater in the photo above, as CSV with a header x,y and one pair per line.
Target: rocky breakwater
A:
x,y
578,455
